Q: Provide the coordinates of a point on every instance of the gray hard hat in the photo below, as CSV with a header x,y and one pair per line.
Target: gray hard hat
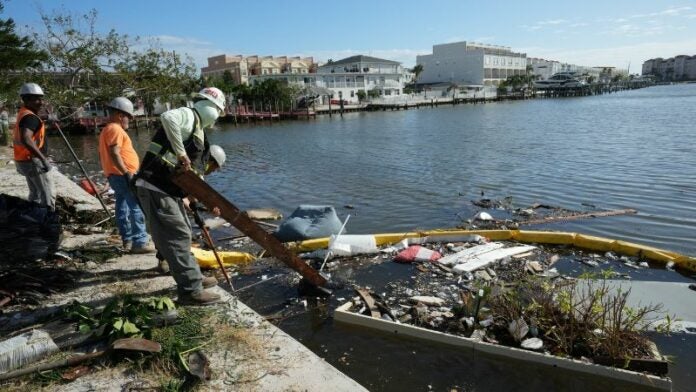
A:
x,y
122,104
31,89
218,154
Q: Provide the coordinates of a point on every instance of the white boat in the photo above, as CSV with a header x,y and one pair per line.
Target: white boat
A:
x,y
560,80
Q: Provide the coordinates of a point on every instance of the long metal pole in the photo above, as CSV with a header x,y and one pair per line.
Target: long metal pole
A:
x,y
94,186
209,240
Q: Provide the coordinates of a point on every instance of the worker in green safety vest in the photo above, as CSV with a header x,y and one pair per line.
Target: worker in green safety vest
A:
x,y
180,141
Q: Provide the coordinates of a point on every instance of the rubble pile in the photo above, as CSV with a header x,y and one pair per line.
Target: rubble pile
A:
x,y
504,293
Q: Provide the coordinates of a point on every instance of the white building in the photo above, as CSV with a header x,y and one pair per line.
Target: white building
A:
x,y
470,63
544,69
348,76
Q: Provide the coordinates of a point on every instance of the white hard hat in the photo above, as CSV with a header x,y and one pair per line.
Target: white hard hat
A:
x,y
218,154
31,89
122,104
214,95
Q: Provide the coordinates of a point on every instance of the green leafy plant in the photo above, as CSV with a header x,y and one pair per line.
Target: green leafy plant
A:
x,y
124,316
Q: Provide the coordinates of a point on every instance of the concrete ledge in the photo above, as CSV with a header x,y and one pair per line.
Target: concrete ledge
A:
x,y
264,357
14,184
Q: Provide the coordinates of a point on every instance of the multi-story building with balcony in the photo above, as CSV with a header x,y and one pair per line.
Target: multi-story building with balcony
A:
x,y
344,78
470,63
676,68
241,67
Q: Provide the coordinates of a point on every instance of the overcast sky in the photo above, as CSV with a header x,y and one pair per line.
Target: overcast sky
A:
x,y
590,32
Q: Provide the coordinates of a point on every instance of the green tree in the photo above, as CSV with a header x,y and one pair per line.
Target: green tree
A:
x,y
18,55
81,61
417,70
157,74
224,82
85,65
361,95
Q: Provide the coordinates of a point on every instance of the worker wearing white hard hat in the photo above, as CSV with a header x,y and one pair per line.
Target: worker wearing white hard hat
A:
x,y
180,140
30,149
120,162
216,159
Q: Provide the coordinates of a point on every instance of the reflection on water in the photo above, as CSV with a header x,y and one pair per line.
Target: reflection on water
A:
x,y
419,169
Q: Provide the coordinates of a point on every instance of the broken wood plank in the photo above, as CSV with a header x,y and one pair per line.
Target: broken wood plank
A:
x,y
369,302
196,187
534,267
264,213
583,215
523,255
442,267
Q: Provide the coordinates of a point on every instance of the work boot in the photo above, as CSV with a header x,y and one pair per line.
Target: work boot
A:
x,y
163,266
209,281
127,245
202,297
142,249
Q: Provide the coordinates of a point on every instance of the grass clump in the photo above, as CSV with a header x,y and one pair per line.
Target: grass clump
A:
x,y
192,331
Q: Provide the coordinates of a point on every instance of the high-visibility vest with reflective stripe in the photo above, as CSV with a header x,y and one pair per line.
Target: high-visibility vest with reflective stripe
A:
x,y
159,162
21,152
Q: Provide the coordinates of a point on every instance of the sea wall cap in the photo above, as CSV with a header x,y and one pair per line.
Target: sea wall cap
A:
x,y
31,89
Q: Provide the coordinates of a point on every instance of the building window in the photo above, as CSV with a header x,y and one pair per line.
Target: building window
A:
x,y
352,93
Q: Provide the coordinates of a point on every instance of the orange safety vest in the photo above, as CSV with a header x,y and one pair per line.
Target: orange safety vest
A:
x,y
21,152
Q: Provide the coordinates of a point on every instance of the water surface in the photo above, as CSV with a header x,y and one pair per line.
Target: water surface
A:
x,y
419,169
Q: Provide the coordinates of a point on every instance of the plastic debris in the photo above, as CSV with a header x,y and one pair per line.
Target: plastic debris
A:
x,y
24,349
483,216
417,253
534,344
518,329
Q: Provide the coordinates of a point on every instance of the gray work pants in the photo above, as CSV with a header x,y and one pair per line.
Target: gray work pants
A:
x,y
170,229
40,183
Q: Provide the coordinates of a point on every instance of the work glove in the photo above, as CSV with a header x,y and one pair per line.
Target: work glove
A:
x,y
45,167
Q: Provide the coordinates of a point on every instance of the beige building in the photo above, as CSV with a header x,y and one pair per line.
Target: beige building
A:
x,y
681,67
242,67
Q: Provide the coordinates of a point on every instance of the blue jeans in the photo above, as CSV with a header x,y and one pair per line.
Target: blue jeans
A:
x,y
129,216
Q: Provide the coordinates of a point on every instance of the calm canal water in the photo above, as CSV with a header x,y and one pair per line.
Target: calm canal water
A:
x,y
419,169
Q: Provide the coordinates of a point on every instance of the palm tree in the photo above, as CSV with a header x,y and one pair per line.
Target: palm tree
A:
x,y
417,70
